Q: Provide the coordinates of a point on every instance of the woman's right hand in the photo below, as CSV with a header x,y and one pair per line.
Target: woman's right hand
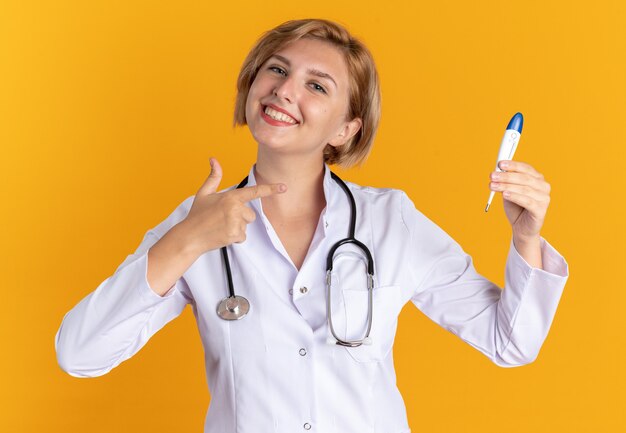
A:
x,y
219,219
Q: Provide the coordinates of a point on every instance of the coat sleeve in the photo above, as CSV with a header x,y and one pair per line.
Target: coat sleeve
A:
x,y
116,320
507,325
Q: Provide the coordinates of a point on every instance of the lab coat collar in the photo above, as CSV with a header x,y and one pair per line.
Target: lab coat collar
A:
x,y
328,183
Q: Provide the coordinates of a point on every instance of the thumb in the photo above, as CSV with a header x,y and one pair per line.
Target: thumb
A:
x,y
212,182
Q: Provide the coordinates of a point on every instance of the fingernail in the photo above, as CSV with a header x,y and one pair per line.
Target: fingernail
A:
x,y
504,164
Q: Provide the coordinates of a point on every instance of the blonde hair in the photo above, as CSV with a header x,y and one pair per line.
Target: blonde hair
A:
x,y
364,89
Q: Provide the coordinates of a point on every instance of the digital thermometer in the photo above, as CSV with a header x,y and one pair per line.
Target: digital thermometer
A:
x,y
508,145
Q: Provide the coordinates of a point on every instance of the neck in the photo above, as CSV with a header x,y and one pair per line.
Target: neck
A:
x,y
304,178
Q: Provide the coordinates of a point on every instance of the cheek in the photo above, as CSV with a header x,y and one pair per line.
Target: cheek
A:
x,y
329,117
247,107
251,102
314,110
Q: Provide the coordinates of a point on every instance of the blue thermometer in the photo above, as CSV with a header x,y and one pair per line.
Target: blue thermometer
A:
x,y
509,145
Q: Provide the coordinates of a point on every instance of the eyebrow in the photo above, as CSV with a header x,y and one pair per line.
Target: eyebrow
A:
x,y
311,71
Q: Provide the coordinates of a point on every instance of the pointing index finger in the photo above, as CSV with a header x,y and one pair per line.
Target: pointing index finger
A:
x,y
258,191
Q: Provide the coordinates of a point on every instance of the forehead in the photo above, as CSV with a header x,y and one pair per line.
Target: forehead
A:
x,y
316,54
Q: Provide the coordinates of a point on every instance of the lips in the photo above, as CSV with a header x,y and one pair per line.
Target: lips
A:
x,y
277,114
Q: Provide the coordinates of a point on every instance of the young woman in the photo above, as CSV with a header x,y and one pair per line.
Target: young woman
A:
x,y
298,326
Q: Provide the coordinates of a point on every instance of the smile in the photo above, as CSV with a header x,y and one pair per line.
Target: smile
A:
x,y
276,118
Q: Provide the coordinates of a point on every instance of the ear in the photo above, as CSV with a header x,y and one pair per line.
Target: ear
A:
x,y
346,132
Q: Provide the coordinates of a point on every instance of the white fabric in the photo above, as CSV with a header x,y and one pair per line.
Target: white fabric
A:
x,y
273,371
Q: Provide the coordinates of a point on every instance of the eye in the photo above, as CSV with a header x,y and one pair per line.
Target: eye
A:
x,y
318,87
277,69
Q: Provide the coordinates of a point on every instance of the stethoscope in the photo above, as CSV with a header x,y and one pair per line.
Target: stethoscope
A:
x,y
234,307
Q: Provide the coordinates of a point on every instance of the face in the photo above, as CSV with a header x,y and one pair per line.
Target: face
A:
x,y
298,101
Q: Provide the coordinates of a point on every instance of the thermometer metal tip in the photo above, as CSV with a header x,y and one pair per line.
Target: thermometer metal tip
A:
x,y
489,201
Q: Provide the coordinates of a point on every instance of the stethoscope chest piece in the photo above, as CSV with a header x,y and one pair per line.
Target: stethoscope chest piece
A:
x,y
233,307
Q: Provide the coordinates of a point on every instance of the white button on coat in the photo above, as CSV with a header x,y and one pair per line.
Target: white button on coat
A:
x,y
257,380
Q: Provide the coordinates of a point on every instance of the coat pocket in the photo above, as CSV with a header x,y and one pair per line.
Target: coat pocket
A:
x,y
349,299
386,305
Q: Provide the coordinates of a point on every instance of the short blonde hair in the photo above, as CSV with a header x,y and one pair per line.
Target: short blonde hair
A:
x,y
364,89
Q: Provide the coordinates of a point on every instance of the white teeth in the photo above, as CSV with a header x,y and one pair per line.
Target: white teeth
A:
x,y
277,115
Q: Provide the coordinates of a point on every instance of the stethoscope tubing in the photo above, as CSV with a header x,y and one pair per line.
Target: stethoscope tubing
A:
x,y
235,307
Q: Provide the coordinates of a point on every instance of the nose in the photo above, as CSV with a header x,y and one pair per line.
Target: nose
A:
x,y
285,89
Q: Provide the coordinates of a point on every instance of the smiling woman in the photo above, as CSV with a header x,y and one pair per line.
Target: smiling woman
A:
x,y
313,349
316,116
352,64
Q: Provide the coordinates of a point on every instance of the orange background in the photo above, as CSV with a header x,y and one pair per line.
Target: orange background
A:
x,y
110,110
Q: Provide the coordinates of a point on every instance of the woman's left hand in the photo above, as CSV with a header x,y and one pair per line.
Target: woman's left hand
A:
x,y
526,197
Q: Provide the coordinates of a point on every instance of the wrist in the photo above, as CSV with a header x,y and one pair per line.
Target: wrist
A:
x,y
525,239
529,248
184,240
